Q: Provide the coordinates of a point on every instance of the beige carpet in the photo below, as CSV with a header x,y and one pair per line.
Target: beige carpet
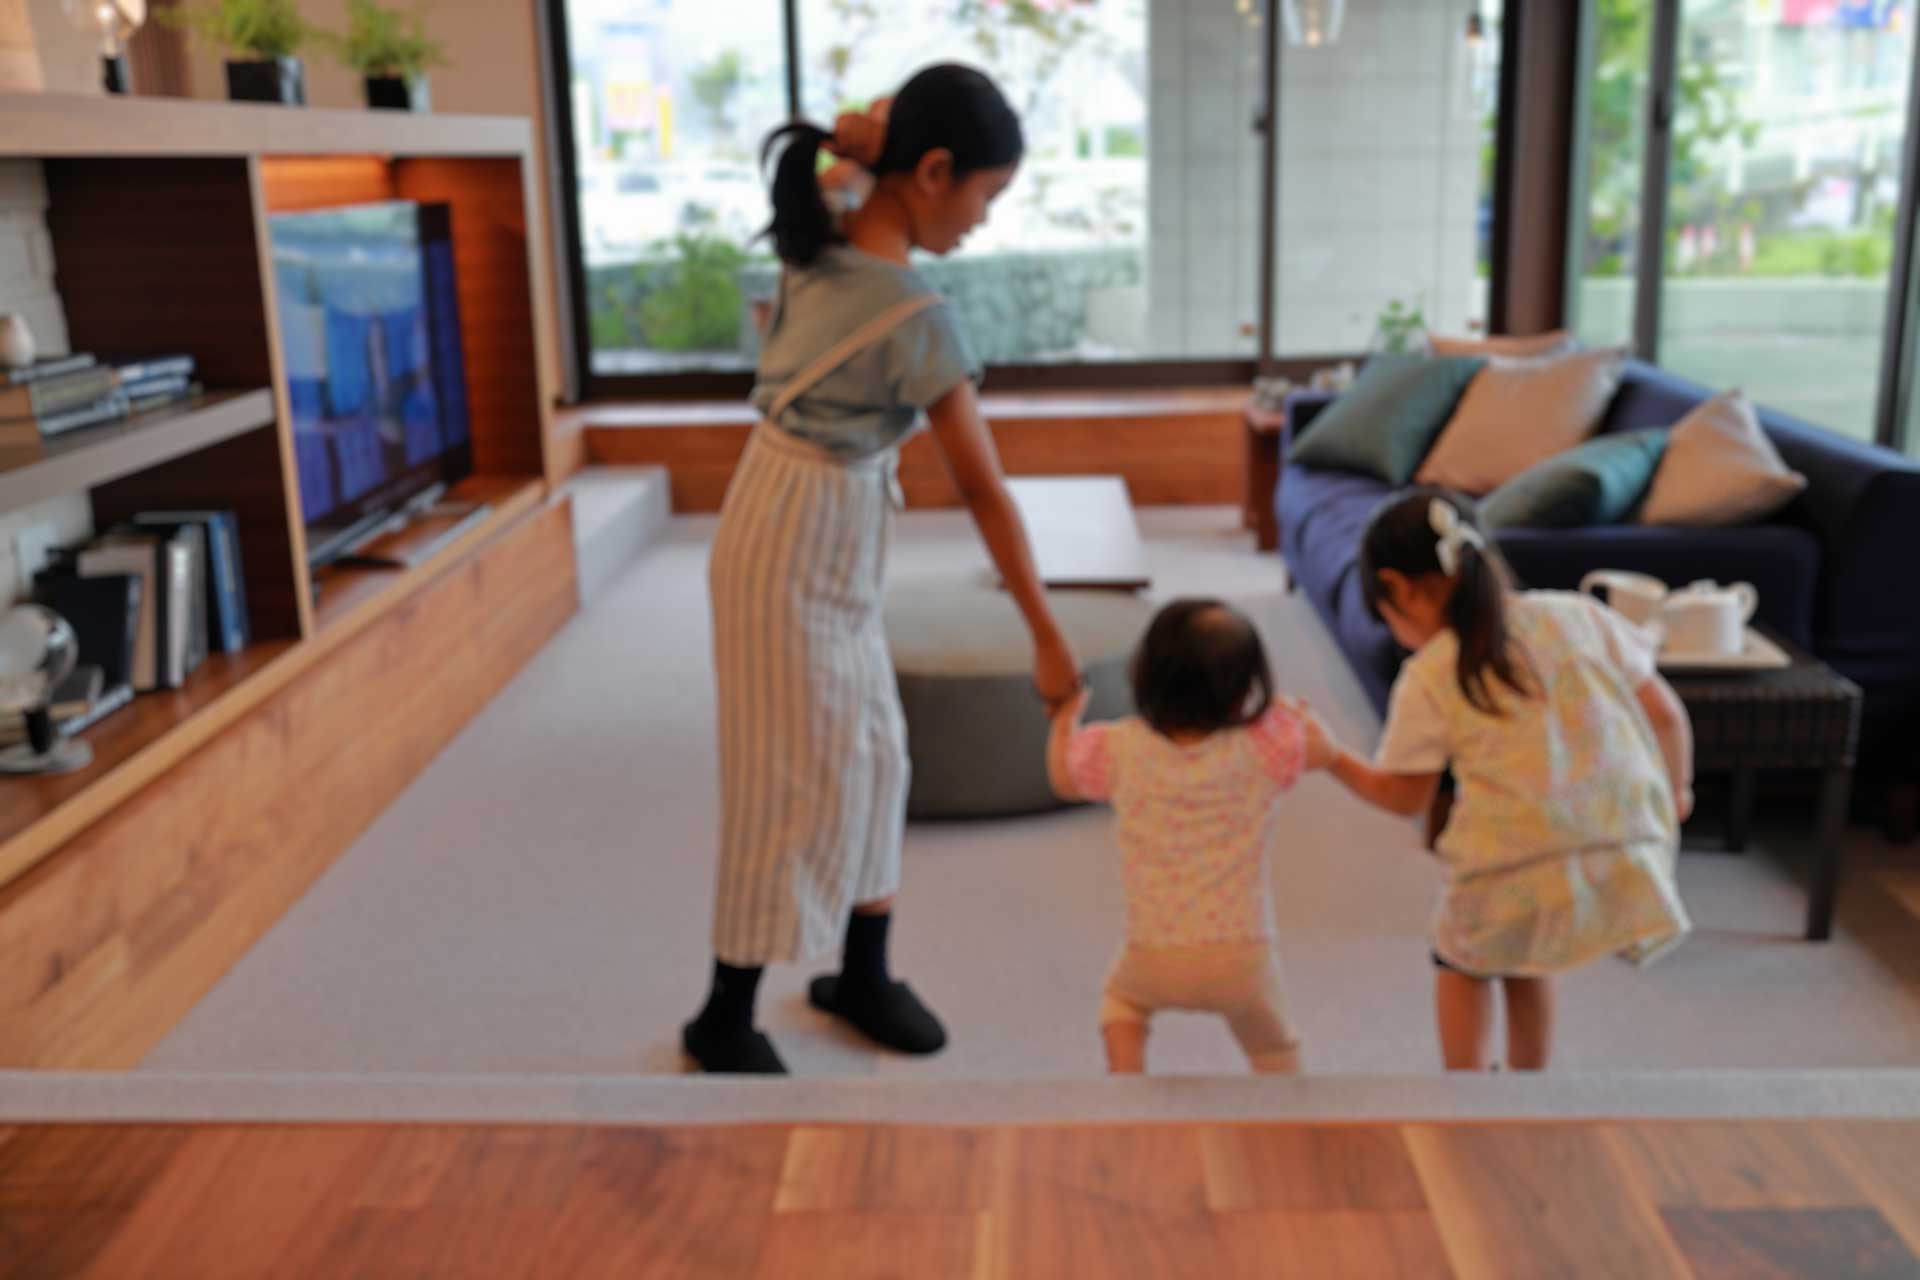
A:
x,y
537,903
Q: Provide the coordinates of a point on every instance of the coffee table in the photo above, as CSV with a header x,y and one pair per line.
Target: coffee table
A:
x,y
1082,531
1802,718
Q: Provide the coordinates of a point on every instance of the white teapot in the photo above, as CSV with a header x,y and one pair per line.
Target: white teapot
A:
x,y
1702,618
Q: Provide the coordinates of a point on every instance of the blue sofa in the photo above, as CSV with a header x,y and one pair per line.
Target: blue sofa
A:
x,y
1838,570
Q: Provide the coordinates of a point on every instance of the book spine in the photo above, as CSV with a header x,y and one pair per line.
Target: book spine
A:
x,y
158,367
46,397
228,590
165,384
52,367
109,409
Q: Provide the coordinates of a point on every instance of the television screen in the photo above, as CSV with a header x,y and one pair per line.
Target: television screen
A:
x,y
370,337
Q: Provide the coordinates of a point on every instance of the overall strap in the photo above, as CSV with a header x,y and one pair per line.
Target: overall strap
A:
x,y
847,348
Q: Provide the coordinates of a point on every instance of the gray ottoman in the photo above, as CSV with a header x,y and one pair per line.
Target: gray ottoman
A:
x,y
976,731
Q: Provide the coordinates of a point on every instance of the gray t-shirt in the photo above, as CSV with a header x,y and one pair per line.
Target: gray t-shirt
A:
x,y
874,399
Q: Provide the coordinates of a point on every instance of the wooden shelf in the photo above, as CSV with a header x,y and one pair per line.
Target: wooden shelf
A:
x,y
138,744
351,597
93,456
55,124
132,747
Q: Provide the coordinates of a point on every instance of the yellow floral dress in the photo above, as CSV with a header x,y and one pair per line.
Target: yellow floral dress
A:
x,y
1562,839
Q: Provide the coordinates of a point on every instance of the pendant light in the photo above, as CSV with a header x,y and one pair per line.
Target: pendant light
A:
x,y
1313,23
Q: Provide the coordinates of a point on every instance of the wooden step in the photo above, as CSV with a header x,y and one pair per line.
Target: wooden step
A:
x,y
1176,446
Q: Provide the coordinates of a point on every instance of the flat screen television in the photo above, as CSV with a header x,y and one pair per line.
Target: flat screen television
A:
x,y
370,333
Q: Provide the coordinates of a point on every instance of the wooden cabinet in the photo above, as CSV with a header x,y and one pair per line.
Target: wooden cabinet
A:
x,y
128,888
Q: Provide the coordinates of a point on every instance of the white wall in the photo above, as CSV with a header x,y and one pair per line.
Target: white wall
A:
x,y
26,287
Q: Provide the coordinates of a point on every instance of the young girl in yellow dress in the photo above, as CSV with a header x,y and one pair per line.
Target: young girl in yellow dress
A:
x,y
1572,760
813,764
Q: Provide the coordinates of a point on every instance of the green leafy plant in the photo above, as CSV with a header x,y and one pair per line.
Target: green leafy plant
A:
x,y
692,301
1400,326
386,41
245,28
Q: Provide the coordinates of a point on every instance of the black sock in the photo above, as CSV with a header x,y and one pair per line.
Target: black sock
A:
x,y
729,1006
864,962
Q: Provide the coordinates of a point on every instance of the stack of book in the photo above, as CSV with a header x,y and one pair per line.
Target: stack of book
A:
x,y
150,599
64,393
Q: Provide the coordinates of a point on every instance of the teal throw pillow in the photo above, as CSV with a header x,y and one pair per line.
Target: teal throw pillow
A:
x,y
1384,424
1601,482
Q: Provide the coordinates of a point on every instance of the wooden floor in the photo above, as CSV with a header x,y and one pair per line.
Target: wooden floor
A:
x,y
1707,1200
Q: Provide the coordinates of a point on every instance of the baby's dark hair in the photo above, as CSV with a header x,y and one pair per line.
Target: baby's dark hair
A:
x,y
1201,668
945,107
1402,536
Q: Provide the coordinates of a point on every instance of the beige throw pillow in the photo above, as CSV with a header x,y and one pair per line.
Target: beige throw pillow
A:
x,y
1518,413
1720,469
1530,346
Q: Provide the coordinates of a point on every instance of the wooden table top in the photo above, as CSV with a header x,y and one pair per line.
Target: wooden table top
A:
x,y
1082,531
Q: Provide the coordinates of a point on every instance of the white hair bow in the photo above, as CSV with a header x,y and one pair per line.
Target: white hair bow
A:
x,y
1454,534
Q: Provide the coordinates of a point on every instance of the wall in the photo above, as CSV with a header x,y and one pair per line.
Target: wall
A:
x,y
19,58
26,286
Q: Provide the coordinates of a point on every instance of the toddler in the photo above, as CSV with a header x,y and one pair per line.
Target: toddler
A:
x,y
1192,779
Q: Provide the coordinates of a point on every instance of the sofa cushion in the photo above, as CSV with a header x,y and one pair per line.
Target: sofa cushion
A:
x,y
1720,469
1601,482
1518,413
1781,562
1383,425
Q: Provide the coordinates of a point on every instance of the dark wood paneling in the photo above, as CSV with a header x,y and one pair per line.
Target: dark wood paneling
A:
x,y
106,944
497,312
162,254
292,183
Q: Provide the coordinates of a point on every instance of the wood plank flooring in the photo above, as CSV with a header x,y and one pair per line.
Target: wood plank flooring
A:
x,y
1696,1200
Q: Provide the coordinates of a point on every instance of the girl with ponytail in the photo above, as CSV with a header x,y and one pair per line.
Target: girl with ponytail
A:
x,y
859,350
1572,762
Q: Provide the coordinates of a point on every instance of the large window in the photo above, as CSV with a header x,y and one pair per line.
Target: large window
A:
x,y
1133,233
670,99
1778,165
1785,181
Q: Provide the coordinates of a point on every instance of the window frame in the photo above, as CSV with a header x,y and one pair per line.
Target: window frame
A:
x,y
582,383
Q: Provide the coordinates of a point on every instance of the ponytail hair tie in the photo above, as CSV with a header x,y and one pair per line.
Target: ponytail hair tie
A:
x,y
1454,533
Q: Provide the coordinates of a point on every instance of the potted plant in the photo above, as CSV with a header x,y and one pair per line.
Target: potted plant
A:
x,y
1401,326
262,38
390,48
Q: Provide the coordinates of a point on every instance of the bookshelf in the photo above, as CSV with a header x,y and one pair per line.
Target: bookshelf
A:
x,y
94,456
134,883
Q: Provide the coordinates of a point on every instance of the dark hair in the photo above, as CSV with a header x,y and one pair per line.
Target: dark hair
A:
x,y
945,107
1401,536
1201,667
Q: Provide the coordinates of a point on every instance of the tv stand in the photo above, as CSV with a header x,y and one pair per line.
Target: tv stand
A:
x,y
416,535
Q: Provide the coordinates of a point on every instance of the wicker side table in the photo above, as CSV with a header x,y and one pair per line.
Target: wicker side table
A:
x,y
1803,718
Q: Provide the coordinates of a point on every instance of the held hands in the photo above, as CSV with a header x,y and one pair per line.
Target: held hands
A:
x,y
1322,750
1056,674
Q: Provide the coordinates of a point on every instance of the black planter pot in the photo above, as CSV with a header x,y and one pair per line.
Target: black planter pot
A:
x,y
398,93
268,80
